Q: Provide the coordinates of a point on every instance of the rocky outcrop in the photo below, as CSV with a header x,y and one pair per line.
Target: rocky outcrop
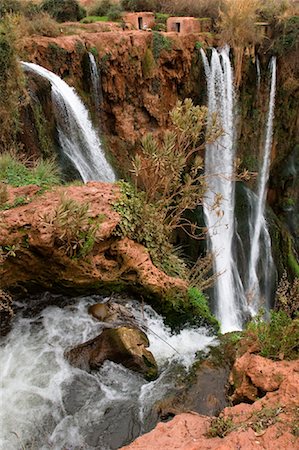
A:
x,y
269,422
35,257
123,345
142,74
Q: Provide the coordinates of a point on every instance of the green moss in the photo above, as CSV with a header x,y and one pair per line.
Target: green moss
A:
x,y
160,43
180,308
293,263
56,55
148,63
199,306
44,138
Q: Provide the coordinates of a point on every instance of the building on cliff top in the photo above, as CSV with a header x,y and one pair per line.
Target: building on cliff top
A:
x,y
140,20
185,25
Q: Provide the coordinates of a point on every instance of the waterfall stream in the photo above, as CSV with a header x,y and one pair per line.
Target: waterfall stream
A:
x,y
232,301
52,405
220,197
258,226
95,81
78,139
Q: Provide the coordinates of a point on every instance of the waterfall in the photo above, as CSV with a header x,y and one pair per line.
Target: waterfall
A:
x,y
95,81
258,72
51,405
258,226
77,137
219,199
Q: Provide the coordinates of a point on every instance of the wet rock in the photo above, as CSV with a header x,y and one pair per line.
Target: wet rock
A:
x,y
111,313
123,345
204,392
270,422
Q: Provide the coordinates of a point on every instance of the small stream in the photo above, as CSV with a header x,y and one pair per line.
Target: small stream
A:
x,y
52,405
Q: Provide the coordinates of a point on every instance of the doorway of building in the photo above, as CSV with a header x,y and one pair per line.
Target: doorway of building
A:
x,y
178,27
140,23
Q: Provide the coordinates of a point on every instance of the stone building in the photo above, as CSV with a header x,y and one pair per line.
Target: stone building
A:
x,y
140,20
185,25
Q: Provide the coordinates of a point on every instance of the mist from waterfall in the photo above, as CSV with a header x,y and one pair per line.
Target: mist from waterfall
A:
x,y
95,81
259,234
219,200
77,137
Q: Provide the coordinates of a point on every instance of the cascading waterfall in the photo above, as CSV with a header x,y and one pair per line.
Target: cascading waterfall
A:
x,y
51,405
77,137
95,81
219,170
232,302
258,72
258,227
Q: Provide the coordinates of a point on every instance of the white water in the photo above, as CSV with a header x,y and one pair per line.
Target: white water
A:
x,y
258,73
219,170
47,404
77,137
258,226
95,81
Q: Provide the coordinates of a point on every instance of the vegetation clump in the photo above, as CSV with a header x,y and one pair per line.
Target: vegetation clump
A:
x,y
220,427
74,230
16,174
12,90
160,43
277,338
64,10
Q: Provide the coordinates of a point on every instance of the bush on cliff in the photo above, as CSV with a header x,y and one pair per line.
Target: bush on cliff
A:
x,y
12,91
140,5
277,338
64,10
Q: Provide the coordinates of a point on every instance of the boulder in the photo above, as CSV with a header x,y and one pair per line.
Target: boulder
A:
x,y
123,345
112,313
270,422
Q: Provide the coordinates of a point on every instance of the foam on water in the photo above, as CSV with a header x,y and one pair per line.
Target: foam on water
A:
x,y
48,404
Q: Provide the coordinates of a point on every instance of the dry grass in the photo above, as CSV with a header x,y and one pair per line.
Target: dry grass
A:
x,y
196,8
43,24
237,26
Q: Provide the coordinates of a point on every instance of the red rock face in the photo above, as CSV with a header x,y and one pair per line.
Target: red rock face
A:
x,y
268,423
137,98
36,259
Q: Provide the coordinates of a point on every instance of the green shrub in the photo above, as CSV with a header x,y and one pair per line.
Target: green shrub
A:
x,y
286,35
201,308
144,223
220,427
114,12
139,5
148,63
10,7
64,10
74,231
100,8
12,91
160,43
278,338
15,173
